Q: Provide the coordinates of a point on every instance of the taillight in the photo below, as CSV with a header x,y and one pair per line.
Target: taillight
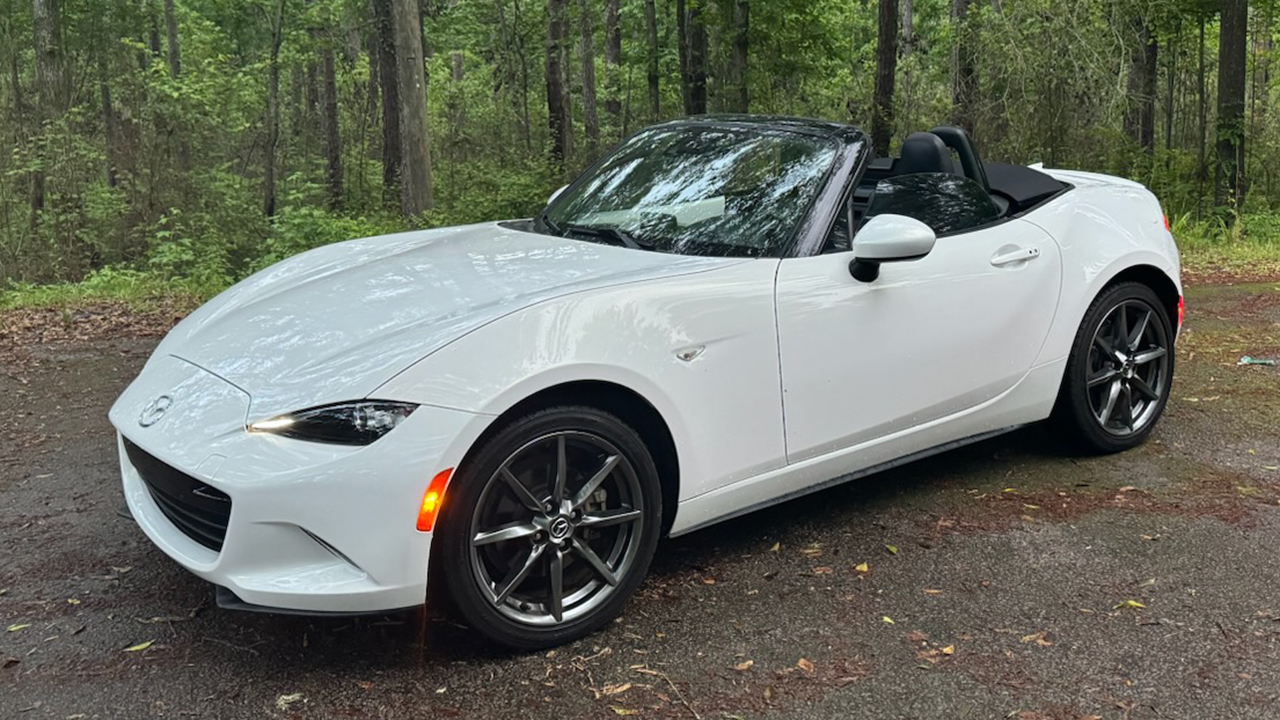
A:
x,y
1181,311
1166,222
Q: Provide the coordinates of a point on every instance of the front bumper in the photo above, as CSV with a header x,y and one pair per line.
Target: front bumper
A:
x,y
313,527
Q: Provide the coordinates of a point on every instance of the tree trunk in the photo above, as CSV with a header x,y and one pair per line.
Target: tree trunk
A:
x,y
1171,77
51,83
697,54
964,88
1229,187
682,48
908,27
415,178
390,79
590,121
1202,108
175,71
613,63
171,36
332,136
1152,66
559,121
741,99
108,121
1139,119
273,113
886,71
651,27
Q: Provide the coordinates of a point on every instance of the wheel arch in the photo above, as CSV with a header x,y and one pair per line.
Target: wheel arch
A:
x,y
629,405
1156,279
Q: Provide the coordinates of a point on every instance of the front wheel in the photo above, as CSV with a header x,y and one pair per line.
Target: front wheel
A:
x,y
1120,372
550,527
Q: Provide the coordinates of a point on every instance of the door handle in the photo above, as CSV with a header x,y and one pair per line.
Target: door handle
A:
x,y
1017,255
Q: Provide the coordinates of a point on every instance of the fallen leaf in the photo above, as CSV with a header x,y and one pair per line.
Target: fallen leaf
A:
x,y
1129,604
284,701
949,650
708,581
822,570
1037,638
122,570
887,619
618,710
893,549
1128,488
805,665
139,647
364,684
16,628
813,551
862,567
744,666
73,601
1029,506
611,689
776,547
931,591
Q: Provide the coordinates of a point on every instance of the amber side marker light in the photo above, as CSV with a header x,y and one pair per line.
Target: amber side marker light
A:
x,y
432,500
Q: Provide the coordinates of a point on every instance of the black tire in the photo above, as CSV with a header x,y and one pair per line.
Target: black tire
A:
x,y
526,619
1092,371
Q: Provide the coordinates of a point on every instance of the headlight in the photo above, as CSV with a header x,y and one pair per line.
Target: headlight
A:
x,y
349,423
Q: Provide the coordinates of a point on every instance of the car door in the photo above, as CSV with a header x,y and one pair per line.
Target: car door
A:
x,y
928,339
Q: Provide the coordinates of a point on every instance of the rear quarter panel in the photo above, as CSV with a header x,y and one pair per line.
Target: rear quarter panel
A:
x,y
1104,226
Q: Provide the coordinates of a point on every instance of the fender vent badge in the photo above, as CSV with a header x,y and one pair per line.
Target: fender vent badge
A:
x,y
690,354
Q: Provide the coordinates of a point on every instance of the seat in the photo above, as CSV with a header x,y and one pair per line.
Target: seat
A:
x,y
924,152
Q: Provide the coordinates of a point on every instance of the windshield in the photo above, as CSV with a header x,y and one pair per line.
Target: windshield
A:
x,y
698,191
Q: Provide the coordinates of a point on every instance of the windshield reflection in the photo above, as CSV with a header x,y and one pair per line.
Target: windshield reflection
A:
x,y
700,191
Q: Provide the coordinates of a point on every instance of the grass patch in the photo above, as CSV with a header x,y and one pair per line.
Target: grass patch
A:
x,y
141,291
1249,248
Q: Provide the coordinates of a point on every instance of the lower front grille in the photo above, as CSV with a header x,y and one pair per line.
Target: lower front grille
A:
x,y
196,509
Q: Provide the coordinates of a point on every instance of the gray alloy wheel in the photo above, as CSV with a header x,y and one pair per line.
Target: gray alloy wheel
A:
x,y
1128,364
1120,371
555,528
549,526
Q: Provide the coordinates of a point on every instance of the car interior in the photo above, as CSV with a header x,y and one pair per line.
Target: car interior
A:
x,y
948,177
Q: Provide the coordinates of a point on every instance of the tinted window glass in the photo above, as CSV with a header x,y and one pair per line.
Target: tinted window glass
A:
x,y
947,203
700,191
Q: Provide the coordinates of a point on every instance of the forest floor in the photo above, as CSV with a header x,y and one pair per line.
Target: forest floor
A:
x,y
1000,580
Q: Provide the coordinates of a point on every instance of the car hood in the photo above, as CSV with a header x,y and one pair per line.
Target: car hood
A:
x,y
337,322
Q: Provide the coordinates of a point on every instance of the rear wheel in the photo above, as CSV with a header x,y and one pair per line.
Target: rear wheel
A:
x,y
1120,371
551,527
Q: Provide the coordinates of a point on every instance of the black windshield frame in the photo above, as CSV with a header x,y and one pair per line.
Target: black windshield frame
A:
x,y
850,159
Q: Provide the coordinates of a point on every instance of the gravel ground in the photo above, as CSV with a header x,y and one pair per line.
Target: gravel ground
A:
x,y
1005,579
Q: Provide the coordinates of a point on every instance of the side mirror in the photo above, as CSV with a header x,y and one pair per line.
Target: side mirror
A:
x,y
889,238
556,194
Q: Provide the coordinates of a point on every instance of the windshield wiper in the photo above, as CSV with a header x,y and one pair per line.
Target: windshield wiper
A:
x,y
546,221
606,232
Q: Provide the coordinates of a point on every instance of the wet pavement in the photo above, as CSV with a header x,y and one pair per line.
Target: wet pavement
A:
x,y
1006,579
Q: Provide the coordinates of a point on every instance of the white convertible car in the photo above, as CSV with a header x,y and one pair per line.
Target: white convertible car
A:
x,y
723,313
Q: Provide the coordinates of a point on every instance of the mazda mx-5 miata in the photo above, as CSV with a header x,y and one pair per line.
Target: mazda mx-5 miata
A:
x,y
721,314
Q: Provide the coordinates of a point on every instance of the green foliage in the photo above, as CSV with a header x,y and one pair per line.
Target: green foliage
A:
x,y
163,188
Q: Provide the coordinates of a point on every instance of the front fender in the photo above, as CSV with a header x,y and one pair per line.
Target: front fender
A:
x,y
701,349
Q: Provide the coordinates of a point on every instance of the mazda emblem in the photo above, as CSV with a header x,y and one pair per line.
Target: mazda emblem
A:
x,y
155,410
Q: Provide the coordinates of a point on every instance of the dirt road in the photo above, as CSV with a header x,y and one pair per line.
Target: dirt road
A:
x,y
1000,580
